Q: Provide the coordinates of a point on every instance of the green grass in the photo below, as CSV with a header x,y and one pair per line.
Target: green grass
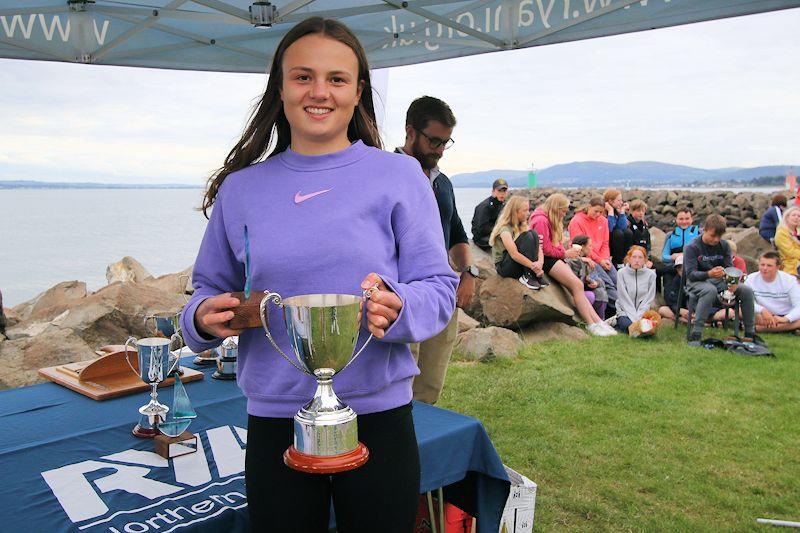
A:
x,y
644,435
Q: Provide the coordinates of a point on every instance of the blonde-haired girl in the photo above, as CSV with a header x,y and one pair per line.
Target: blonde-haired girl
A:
x,y
516,250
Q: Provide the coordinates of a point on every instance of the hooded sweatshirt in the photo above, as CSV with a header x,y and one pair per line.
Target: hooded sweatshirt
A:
x,y
317,225
594,228
636,290
541,224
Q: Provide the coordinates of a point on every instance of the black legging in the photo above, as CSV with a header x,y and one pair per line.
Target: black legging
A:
x,y
528,245
381,495
619,242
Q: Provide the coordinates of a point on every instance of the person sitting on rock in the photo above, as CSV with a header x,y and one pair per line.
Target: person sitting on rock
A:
x,y
548,222
704,263
738,262
486,213
620,237
684,233
640,229
582,267
590,221
771,218
516,250
636,288
777,296
787,241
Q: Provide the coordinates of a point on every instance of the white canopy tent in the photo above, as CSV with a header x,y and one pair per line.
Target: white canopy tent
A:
x,y
240,35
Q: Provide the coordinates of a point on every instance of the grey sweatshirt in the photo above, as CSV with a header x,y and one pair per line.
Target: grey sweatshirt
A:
x,y
636,290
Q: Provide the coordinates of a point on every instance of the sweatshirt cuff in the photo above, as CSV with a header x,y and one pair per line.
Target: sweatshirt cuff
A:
x,y
794,314
404,330
196,341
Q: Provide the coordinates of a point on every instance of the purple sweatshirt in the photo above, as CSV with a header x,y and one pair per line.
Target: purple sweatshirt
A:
x,y
373,211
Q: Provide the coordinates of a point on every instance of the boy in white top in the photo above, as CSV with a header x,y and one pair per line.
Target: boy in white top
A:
x,y
777,296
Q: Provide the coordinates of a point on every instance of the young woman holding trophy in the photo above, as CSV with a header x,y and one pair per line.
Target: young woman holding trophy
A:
x,y
327,214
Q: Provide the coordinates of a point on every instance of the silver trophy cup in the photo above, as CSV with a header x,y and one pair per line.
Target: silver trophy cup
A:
x,y
323,331
156,364
733,276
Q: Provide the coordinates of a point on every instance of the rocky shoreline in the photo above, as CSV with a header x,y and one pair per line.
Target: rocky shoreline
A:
x,y
67,323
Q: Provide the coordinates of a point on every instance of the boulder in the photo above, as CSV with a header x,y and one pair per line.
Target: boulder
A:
x,y
482,260
117,311
23,357
50,303
549,331
750,245
466,322
657,240
506,302
481,344
127,269
178,283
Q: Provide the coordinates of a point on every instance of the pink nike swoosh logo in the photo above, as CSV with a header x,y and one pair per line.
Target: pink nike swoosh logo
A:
x,y
299,197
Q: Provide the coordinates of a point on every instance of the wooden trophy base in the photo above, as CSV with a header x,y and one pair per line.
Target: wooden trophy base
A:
x,y
145,433
329,464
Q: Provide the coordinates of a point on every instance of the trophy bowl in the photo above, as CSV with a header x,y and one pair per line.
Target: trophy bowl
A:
x,y
323,331
733,276
156,363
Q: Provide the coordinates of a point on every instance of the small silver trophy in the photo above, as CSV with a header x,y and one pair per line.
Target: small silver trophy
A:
x,y
156,363
733,276
323,330
227,357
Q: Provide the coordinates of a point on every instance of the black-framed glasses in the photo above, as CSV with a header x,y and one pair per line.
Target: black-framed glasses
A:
x,y
436,142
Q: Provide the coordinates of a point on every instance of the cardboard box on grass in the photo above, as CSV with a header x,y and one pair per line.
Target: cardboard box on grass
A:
x,y
518,513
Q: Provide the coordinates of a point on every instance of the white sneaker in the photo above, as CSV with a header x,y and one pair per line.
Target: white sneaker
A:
x,y
611,321
597,330
611,331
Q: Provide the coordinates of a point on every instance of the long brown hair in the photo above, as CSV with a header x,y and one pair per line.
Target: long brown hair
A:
x,y
268,127
551,206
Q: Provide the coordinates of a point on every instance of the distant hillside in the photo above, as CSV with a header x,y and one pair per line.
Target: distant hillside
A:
x,y
598,173
25,184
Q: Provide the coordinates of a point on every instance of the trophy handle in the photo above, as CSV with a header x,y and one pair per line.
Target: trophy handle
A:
x,y
127,342
175,337
367,295
182,288
147,320
262,312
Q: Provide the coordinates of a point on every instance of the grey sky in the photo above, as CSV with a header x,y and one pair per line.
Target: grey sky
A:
x,y
714,94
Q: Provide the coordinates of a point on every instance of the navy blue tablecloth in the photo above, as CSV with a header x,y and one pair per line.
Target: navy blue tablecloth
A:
x,y
68,463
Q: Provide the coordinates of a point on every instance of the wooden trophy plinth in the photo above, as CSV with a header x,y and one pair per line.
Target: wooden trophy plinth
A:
x,y
171,447
325,464
109,376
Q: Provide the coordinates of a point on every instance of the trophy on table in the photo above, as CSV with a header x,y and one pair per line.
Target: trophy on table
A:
x,y
227,357
156,364
323,331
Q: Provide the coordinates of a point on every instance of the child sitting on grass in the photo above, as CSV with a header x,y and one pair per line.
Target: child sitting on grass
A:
x,y
636,288
582,267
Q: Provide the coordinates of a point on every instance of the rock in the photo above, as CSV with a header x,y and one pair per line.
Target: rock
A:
x,y
506,302
481,344
50,303
475,309
127,269
178,283
23,357
548,331
669,210
117,311
657,240
750,245
482,260
466,322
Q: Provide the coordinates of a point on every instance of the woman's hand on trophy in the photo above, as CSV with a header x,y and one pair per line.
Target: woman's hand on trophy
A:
x,y
213,315
383,305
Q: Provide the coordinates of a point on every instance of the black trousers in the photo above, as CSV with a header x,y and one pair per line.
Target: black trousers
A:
x,y
528,245
619,242
381,495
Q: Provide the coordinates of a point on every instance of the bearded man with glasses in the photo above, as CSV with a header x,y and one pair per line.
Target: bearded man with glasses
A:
x,y
429,129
